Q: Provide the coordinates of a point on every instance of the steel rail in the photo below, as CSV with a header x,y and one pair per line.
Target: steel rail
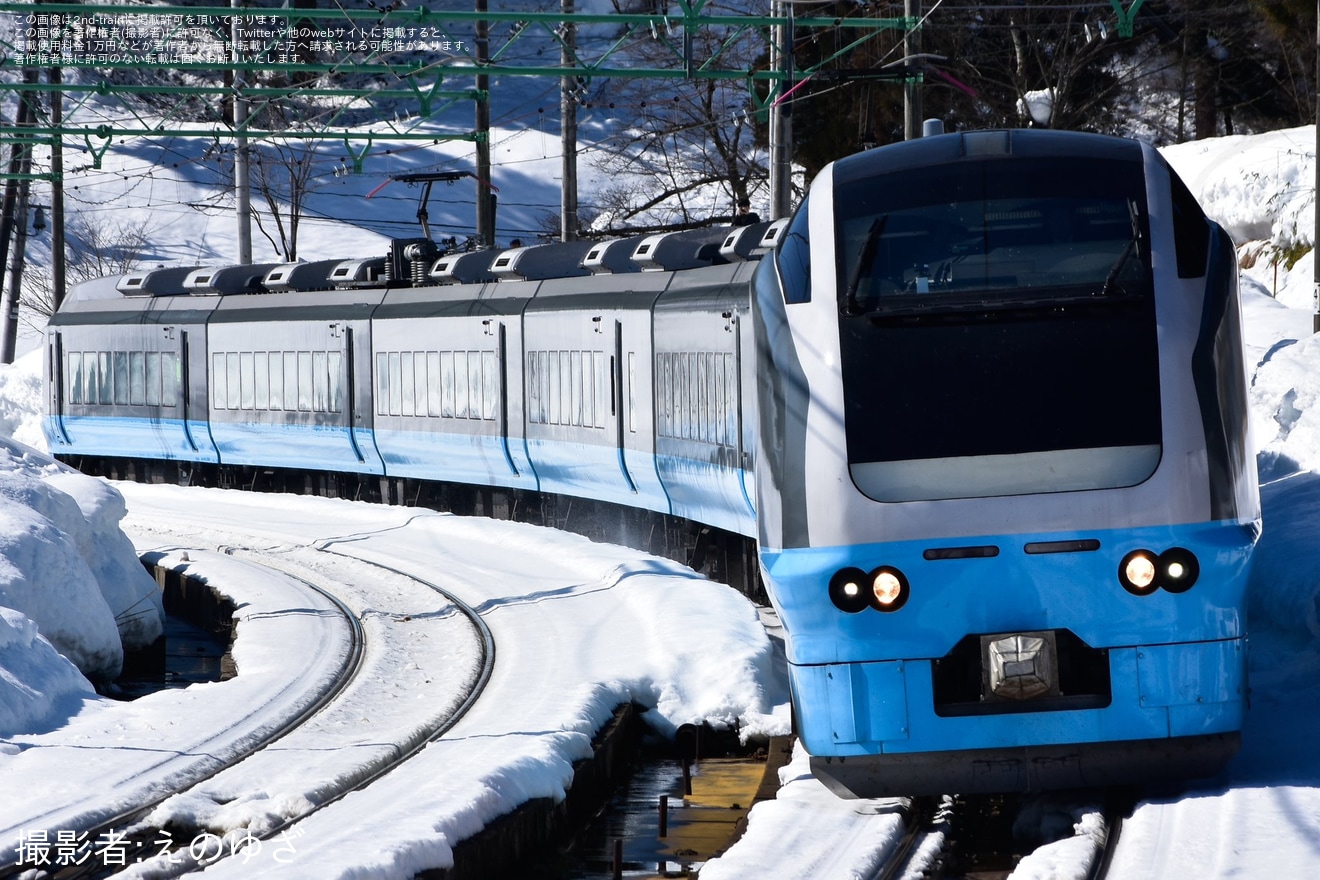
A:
x,y
186,863
344,675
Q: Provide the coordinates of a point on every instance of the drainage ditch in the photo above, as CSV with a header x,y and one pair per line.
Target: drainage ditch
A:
x,y
195,646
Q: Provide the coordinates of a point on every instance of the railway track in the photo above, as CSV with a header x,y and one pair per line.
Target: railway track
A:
x,y
123,791
175,823
992,837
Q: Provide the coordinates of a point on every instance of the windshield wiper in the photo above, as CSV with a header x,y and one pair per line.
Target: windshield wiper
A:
x,y
937,307
1128,250
864,261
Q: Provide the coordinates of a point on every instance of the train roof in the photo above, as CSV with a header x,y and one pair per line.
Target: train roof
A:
x,y
416,272
946,149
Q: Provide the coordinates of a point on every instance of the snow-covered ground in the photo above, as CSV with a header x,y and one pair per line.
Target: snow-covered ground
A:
x,y
59,532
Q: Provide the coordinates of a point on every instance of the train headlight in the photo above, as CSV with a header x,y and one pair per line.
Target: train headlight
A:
x,y
1179,569
1138,572
848,590
889,588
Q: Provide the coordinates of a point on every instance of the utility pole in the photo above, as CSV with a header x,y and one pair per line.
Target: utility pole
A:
x,y
13,210
1315,240
485,199
59,263
781,113
242,184
911,87
58,257
14,294
568,201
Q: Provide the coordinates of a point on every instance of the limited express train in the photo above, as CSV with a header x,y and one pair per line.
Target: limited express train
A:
x,y
980,404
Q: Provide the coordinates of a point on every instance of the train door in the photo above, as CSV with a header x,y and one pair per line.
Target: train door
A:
x,y
348,375
55,404
185,389
504,403
621,378
746,475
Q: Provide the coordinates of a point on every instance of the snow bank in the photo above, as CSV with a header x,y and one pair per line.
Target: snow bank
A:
x,y
1259,187
38,687
66,567
21,401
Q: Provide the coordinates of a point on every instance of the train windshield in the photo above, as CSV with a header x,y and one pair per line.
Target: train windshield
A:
x,y
992,234
997,328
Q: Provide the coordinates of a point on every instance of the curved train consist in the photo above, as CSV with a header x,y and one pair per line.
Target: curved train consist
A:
x,y
981,404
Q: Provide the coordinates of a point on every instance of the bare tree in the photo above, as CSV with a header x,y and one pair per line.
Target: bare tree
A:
x,y
685,136
283,174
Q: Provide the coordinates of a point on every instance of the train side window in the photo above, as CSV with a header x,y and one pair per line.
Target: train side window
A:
x,y
89,377
706,381
106,389
665,392
219,396
490,392
290,381
382,383
1191,230
794,258
232,381
277,380
407,384
462,386
336,379
433,384
552,388
731,383
543,358
304,381
421,384
153,378
320,381
262,387
603,399
533,388
170,380
137,378
246,380
121,377
577,400
565,388
448,386
75,394
632,391
393,400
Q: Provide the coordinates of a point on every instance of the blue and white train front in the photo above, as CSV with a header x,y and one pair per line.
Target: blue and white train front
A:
x,y
1006,494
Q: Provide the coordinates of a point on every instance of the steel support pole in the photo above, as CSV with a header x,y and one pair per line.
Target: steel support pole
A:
x,y
781,114
13,216
568,201
485,200
911,88
58,257
242,181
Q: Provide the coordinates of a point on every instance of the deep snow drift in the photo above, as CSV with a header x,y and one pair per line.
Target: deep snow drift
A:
x,y
67,568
